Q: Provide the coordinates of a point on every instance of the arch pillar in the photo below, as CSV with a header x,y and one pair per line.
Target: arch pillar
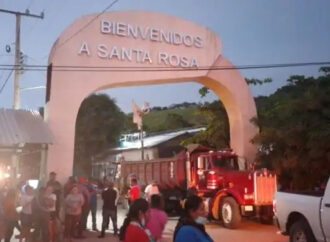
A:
x,y
61,114
231,88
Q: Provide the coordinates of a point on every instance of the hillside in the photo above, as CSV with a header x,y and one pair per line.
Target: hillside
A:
x,y
172,118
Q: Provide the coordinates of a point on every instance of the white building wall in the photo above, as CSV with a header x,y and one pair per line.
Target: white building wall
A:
x,y
135,155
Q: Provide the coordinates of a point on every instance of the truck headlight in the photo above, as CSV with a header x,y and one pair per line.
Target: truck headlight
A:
x,y
248,196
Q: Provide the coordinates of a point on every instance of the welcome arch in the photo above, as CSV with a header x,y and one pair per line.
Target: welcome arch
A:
x,y
142,47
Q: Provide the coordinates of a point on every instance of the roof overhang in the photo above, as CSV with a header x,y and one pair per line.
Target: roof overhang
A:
x,y
20,127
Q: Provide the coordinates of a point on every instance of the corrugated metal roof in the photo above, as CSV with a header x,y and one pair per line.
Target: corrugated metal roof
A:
x,y
152,141
22,126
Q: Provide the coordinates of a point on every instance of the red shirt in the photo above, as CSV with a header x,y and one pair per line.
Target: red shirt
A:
x,y
135,234
134,193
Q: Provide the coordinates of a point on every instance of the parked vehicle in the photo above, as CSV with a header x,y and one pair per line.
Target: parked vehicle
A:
x,y
304,217
228,191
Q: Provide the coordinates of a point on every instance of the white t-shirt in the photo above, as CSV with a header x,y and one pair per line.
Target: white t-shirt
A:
x,y
74,203
151,190
25,202
53,198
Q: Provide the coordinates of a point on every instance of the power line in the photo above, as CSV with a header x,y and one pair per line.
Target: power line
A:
x,y
86,25
152,69
17,74
5,83
173,67
46,22
1,75
3,72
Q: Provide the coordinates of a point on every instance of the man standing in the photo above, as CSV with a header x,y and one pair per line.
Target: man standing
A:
x,y
151,189
110,197
93,204
83,189
57,190
134,192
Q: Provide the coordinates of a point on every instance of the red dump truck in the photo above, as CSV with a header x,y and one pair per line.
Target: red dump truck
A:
x,y
228,191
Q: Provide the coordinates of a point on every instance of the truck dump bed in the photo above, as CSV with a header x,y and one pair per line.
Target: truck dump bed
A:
x,y
168,172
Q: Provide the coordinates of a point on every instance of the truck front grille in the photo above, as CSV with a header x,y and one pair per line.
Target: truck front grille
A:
x,y
264,187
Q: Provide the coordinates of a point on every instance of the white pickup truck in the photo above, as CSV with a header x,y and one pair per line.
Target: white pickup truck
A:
x,y
304,217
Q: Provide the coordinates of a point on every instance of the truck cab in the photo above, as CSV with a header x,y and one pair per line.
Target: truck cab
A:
x,y
211,171
229,189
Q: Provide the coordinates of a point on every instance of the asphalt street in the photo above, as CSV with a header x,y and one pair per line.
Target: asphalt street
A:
x,y
250,231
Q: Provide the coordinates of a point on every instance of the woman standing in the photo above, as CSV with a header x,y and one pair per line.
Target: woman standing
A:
x,y
73,207
133,228
190,226
157,218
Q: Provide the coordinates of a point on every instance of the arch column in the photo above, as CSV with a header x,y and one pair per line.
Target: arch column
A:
x,y
232,89
61,114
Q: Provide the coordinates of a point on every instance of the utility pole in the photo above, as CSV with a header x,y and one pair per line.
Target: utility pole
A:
x,y
145,110
142,144
18,69
18,65
17,57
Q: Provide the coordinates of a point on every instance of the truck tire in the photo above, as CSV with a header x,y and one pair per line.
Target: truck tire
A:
x,y
229,213
301,232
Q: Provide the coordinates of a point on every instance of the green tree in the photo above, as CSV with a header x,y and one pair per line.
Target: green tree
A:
x,y
250,81
294,136
174,121
98,127
216,134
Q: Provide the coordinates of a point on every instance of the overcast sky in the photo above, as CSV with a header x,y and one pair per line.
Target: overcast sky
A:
x,y
252,32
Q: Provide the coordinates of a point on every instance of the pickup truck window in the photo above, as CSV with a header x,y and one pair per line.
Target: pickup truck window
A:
x,y
228,163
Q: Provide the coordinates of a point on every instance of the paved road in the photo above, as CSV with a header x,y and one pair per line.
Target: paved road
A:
x,y
249,232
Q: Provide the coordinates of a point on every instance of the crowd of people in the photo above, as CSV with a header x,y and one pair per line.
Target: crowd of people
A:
x,y
38,215
60,213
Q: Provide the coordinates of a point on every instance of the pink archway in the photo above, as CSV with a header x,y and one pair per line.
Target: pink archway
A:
x,y
141,40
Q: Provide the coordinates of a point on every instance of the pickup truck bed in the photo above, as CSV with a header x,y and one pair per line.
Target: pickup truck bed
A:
x,y
307,213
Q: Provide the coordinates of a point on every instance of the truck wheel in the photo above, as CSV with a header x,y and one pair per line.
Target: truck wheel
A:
x,y
301,232
229,213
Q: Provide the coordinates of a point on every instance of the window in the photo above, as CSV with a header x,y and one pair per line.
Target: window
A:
x,y
228,163
203,163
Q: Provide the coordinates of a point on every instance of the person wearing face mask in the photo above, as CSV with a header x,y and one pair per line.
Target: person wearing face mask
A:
x,y
133,228
190,226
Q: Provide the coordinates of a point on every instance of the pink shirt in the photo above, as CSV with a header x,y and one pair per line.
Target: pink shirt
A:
x,y
156,223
